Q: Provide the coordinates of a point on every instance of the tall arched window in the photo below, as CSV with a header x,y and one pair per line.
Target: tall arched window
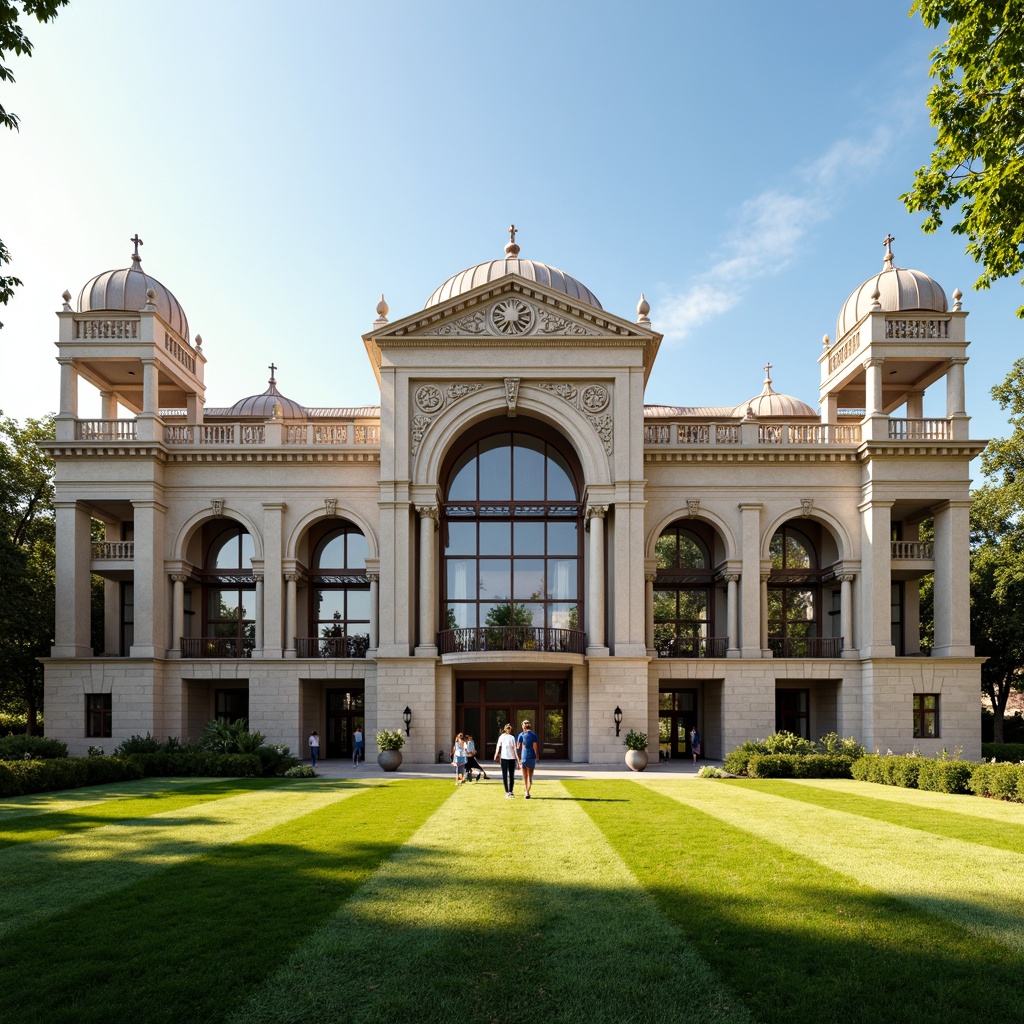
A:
x,y
339,595
229,594
794,595
512,531
684,615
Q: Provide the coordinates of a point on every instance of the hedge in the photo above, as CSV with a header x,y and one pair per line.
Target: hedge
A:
x,y
799,766
13,747
1003,751
889,769
999,781
939,776
200,764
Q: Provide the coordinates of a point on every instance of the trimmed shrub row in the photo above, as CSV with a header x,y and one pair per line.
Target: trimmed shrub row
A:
x,y
999,781
202,764
1003,781
1003,751
799,766
13,747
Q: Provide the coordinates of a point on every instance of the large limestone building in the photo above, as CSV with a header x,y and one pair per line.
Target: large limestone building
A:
x,y
510,531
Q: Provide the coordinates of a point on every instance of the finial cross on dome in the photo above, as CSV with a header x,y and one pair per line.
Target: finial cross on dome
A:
x,y
887,242
768,370
512,232
272,368
137,242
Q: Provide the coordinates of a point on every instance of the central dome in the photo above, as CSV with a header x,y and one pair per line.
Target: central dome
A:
x,y
531,270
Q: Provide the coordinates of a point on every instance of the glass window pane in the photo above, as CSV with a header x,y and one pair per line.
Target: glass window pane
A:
x,y
330,605
359,605
511,690
462,482
462,579
563,539
563,616
665,550
529,614
528,538
495,469
527,578
799,554
248,551
665,605
560,482
554,726
358,550
495,538
225,552
687,700
461,616
556,691
691,552
495,579
332,553
562,579
665,703
528,469
461,539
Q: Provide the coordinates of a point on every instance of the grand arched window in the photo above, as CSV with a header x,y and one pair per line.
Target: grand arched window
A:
x,y
339,596
229,594
512,528
684,612
794,597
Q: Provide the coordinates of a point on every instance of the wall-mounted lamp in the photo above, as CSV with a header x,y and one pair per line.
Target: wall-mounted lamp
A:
x,y
407,715
617,715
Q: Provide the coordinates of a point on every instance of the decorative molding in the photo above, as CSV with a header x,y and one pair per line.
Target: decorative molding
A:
x,y
551,323
806,504
596,512
847,577
650,575
692,506
731,577
429,512
373,575
513,317
567,392
179,577
511,394
331,506
258,576
594,398
475,323
217,504
591,400
430,400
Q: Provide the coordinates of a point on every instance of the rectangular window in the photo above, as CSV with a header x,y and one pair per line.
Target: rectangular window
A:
x,y
98,715
926,716
792,712
231,705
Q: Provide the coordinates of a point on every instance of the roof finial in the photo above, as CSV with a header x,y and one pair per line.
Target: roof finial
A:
x,y
887,263
272,368
512,250
137,242
767,373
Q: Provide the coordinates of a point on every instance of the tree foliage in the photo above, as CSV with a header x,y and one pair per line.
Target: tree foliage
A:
x,y
977,105
997,556
14,41
27,562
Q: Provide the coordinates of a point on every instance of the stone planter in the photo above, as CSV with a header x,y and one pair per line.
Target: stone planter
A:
x,y
389,760
636,759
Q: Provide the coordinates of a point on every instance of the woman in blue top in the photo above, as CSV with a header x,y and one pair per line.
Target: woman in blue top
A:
x,y
528,745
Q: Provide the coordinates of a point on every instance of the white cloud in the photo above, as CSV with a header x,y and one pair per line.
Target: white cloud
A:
x,y
769,230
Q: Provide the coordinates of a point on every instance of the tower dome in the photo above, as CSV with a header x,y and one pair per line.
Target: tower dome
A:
x,y
899,290
531,270
262,406
127,290
769,403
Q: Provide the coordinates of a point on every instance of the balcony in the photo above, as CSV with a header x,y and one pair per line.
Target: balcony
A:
x,y
512,638
216,647
113,550
806,646
332,646
708,434
692,646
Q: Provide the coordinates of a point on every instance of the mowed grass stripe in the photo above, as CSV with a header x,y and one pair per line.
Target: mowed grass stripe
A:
x,y
497,912
1003,835
188,943
40,879
974,887
799,941
36,827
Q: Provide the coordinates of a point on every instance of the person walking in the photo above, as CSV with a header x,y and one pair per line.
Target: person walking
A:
x,y
459,758
505,753
695,743
357,746
471,761
314,747
528,746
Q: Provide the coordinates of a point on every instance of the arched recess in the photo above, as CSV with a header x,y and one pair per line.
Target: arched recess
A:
x,y
717,523
295,540
466,413
844,546
194,524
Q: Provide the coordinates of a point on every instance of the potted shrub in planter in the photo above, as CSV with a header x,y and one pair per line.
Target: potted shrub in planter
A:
x,y
390,742
636,750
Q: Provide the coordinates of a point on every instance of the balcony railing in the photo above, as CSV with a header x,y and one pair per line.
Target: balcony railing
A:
x,y
920,550
332,646
106,430
216,647
113,550
704,434
919,430
511,638
806,646
692,647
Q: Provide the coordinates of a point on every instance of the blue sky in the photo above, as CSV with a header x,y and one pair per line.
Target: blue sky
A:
x,y
286,164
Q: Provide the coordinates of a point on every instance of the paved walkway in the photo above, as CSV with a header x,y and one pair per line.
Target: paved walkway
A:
x,y
344,769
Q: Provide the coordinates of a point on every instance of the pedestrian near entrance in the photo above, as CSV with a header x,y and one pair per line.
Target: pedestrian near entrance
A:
x,y
528,746
314,747
471,761
357,746
695,743
459,758
505,752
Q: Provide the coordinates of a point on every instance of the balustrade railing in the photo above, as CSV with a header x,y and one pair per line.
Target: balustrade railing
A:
x,y
332,646
692,646
916,327
106,430
685,434
216,647
841,353
919,430
89,328
111,550
806,646
511,638
922,550
184,355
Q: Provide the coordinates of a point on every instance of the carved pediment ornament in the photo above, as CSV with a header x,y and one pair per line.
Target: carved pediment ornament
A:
x,y
510,317
511,394
217,504
331,506
430,399
806,504
692,506
591,400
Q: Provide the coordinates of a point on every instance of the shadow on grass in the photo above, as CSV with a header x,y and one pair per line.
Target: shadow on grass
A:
x,y
800,942
184,944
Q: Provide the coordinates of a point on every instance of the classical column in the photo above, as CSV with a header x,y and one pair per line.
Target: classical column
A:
x,y
150,387
956,402
953,581
177,614
764,576
258,639
750,581
427,640
731,610
68,414
273,566
846,611
290,612
876,422
73,596
150,581
595,592
649,577
374,578
108,405
875,630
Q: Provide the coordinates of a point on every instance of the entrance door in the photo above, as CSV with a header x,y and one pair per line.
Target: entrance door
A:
x,y
485,706
677,715
344,713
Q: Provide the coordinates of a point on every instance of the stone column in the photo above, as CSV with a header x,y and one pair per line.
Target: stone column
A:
x,y
915,405
73,595
68,415
150,581
956,404
876,422
290,612
177,614
108,405
953,581
764,576
876,578
846,613
273,562
147,419
649,577
374,578
258,625
595,592
427,640
750,581
731,617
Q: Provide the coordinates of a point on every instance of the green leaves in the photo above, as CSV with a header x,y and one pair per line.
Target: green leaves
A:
x,y
977,105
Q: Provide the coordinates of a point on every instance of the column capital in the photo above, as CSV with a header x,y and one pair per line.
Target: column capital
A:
x,y
873,361
731,577
373,575
294,576
650,576
179,577
429,512
596,512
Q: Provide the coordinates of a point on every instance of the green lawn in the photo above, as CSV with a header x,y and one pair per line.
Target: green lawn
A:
x,y
389,900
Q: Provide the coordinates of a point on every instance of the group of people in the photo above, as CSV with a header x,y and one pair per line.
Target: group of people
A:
x,y
358,747
522,752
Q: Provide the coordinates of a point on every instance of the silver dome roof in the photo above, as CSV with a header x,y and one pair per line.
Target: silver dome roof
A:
x,y
262,406
771,404
899,290
126,290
